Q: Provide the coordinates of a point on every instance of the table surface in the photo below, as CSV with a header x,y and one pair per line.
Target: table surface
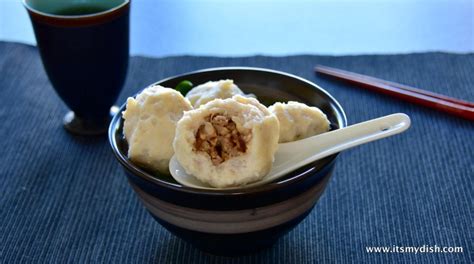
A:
x,y
282,27
65,199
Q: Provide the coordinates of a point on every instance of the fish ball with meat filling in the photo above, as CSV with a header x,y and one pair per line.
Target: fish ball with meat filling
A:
x,y
298,121
150,124
228,142
211,90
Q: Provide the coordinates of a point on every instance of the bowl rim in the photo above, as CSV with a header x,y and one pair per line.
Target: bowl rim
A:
x,y
137,171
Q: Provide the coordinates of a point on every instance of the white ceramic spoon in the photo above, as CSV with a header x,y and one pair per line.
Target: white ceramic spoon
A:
x,y
293,155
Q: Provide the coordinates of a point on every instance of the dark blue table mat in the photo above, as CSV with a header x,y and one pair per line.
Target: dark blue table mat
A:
x,y
64,199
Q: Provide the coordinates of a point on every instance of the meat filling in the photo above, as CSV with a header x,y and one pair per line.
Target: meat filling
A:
x,y
220,139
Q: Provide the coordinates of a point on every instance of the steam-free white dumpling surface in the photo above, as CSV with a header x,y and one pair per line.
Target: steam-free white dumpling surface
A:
x,y
298,121
211,90
228,142
150,124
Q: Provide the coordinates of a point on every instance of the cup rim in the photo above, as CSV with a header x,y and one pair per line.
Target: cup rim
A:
x,y
142,174
73,17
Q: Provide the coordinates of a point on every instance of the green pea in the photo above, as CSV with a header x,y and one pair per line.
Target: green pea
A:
x,y
184,87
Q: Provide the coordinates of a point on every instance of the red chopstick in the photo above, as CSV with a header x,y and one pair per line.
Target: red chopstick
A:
x,y
436,101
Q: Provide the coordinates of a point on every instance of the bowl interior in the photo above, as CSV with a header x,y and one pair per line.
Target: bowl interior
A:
x,y
269,87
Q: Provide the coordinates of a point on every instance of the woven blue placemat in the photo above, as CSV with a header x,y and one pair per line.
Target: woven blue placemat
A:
x,y
64,199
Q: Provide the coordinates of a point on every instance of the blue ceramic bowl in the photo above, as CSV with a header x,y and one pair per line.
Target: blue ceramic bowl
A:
x,y
238,221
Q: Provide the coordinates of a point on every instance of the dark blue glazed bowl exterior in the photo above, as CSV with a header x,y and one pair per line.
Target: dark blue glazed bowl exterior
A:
x,y
237,221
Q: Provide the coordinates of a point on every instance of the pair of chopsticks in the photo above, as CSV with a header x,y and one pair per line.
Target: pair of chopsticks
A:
x,y
432,100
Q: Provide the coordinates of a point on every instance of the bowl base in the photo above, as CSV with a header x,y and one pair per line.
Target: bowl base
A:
x,y
79,126
234,244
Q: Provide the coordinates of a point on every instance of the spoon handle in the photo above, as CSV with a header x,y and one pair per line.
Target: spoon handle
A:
x,y
358,134
332,142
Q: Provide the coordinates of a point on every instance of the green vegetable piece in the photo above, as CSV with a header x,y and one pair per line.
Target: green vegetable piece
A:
x,y
184,87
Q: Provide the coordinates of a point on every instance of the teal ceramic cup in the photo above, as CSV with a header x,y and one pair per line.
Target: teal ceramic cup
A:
x,y
84,47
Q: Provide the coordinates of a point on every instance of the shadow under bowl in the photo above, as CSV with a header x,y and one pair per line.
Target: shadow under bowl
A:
x,y
236,221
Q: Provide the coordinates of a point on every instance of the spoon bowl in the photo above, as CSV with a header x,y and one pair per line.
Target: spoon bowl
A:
x,y
293,155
